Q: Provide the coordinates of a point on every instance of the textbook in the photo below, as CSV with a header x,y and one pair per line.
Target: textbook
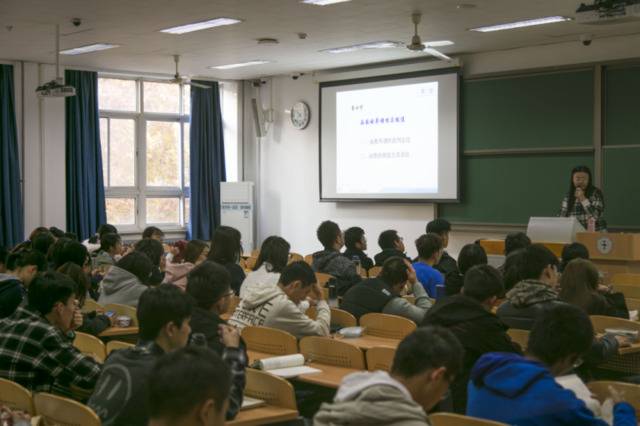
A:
x,y
286,366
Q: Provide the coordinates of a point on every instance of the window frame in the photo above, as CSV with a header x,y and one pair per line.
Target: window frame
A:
x,y
141,191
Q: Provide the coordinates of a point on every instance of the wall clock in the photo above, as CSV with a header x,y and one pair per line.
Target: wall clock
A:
x,y
300,115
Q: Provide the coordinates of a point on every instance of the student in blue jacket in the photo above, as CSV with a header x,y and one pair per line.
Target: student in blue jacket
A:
x,y
522,391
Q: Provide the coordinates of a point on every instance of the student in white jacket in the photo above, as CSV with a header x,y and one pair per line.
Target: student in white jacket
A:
x,y
277,306
273,258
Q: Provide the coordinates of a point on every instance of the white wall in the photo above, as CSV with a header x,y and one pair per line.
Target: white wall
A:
x,y
284,164
41,134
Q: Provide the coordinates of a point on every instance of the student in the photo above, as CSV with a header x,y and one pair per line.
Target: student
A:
x,y
425,362
126,280
511,269
66,250
383,293
521,390
120,396
584,201
429,248
273,257
580,286
392,245
155,252
92,322
356,244
56,232
573,251
330,261
110,248
513,242
470,256
442,227
195,253
153,233
535,293
93,244
226,249
209,286
277,306
468,315
42,242
22,268
36,342
188,387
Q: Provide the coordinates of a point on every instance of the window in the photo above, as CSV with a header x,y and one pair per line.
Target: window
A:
x,y
144,133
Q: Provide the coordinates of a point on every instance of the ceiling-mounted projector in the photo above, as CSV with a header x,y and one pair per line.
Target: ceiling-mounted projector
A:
x,y
608,12
55,89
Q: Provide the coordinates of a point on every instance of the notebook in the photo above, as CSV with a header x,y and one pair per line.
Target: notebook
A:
x,y
286,366
248,402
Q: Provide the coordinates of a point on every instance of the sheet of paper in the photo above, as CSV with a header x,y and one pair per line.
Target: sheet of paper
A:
x,y
290,372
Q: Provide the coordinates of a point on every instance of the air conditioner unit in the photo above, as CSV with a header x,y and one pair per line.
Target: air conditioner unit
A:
x,y
237,210
616,12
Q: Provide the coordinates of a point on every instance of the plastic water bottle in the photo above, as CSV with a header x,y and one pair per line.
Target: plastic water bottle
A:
x,y
591,224
356,261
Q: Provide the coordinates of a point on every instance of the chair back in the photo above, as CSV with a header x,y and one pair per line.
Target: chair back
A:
x,y
90,345
629,290
15,396
631,392
59,411
450,419
309,259
380,358
250,262
521,337
626,279
323,279
114,345
127,310
91,305
375,271
600,322
342,318
295,257
269,340
325,350
389,326
272,389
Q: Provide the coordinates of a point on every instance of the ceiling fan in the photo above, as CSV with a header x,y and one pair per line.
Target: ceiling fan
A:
x,y
181,79
417,45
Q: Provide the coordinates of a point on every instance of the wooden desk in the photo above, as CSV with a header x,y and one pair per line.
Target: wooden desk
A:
x,y
331,376
119,331
263,415
367,342
633,349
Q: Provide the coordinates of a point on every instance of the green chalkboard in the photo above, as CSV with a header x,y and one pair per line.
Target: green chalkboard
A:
x,y
510,189
622,106
621,187
539,112
536,111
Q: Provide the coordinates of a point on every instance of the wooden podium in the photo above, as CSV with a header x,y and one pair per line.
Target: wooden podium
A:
x,y
613,253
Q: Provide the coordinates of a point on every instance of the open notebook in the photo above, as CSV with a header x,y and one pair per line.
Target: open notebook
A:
x,y
286,366
248,402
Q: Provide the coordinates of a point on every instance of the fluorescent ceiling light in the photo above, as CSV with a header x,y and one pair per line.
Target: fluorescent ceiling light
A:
x,y
371,45
322,2
439,43
202,25
522,24
238,65
88,48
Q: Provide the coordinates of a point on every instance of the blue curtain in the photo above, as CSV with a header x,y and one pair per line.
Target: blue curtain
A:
x,y
206,160
11,218
85,189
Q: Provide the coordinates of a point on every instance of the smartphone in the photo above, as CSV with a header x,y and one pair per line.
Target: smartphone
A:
x,y
109,313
